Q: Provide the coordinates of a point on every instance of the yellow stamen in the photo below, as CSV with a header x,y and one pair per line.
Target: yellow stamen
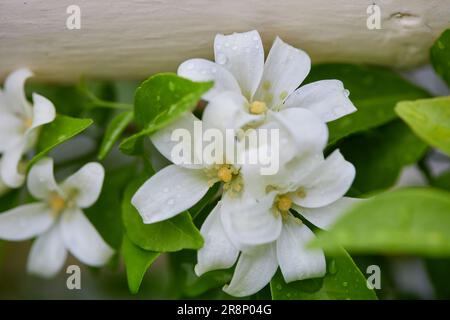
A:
x,y
28,122
225,174
301,193
284,203
57,203
258,107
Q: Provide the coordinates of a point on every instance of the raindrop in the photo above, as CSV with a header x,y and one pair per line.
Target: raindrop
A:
x,y
332,268
345,284
227,44
170,202
221,58
234,48
166,190
279,287
171,86
190,66
346,92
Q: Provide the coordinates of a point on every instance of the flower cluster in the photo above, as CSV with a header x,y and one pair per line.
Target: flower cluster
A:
x,y
258,221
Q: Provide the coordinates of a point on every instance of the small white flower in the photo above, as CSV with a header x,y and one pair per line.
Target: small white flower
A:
x,y
249,92
19,125
261,226
177,188
57,220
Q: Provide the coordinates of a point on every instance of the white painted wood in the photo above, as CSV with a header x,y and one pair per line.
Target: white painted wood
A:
x,y
135,38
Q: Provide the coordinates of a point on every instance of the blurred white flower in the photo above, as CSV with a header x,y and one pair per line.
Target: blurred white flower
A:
x,y
57,220
19,125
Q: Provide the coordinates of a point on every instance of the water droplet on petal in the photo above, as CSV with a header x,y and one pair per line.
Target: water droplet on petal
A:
x,y
221,58
170,202
346,92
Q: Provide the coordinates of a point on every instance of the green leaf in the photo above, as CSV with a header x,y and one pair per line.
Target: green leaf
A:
x,y
113,131
429,119
207,199
438,273
373,90
160,100
343,281
440,55
380,154
105,214
56,132
137,261
404,221
170,235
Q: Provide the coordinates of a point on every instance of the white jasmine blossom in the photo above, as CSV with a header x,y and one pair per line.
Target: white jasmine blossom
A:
x,y
254,90
57,220
177,188
19,125
262,228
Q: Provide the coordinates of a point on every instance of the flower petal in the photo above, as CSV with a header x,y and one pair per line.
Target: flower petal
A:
x,y
253,272
218,252
285,69
328,99
164,143
296,261
324,217
228,111
9,170
48,254
86,184
43,112
326,183
301,132
41,181
243,55
204,70
25,222
15,92
83,240
250,221
11,130
169,192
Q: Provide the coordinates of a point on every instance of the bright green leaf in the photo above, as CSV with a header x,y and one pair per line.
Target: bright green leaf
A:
x,y
429,119
160,100
113,131
404,221
440,55
105,214
380,154
56,132
373,90
137,261
170,235
343,281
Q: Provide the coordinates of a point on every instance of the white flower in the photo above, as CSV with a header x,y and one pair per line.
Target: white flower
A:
x,y
248,91
177,188
261,226
19,124
57,220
